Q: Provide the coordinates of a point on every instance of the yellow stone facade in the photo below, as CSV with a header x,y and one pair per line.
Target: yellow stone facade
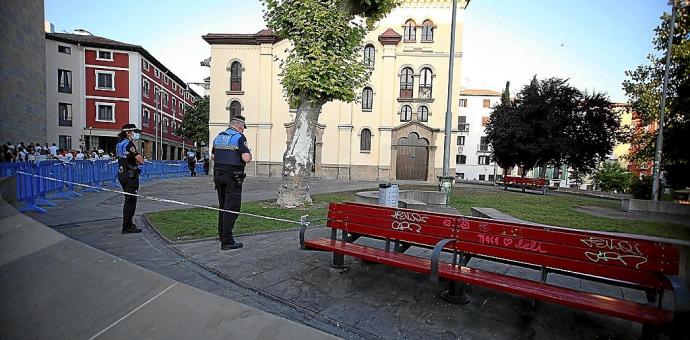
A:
x,y
340,153
622,150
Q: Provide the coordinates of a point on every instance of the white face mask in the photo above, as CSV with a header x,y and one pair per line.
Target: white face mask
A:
x,y
136,136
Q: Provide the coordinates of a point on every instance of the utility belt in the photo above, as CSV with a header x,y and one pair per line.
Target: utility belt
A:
x,y
129,170
236,175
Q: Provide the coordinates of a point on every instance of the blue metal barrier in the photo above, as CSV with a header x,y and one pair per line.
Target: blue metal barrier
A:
x,y
25,184
63,172
33,191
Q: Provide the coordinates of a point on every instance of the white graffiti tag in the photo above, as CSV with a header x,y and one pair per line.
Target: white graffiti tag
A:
x,y
409,216
614,250
402,225
405,220
607,256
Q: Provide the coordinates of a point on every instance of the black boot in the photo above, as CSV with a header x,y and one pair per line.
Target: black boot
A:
x,y
131,230
231,245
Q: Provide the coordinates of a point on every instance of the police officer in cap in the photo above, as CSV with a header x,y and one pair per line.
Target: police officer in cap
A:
x,y
128,161
230,154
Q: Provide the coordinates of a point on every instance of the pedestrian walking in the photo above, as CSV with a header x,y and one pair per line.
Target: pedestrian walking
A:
x,y
230,154
206,164
128,160
191,162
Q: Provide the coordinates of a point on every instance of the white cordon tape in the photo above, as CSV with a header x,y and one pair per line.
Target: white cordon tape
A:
x,y
303,220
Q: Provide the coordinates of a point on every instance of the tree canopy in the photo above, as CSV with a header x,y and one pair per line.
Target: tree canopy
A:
x,y
324,61
553,123
643,88
323,64
611,176
194,125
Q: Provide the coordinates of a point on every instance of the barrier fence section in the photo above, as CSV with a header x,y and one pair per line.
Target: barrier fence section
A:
x,y
35,192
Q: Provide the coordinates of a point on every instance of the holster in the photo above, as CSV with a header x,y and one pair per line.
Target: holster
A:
x,y
239,177
131,172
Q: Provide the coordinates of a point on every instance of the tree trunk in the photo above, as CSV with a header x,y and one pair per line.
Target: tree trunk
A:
x,y
297,160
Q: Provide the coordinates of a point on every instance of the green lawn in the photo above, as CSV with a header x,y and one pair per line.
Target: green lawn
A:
x,y
557,210
187,224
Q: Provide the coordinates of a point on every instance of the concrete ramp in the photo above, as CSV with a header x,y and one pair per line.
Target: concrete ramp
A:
x,y
53,287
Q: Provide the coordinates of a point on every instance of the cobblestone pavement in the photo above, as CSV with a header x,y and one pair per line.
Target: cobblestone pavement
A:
x,y
365,301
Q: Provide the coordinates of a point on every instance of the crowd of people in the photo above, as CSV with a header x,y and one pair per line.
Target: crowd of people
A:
x,y
35,152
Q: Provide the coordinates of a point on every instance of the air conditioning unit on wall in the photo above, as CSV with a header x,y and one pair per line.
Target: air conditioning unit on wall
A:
x,y
460,149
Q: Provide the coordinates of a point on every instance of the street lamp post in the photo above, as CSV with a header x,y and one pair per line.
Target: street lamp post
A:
x,y
446,181
155,128
660,135
90,139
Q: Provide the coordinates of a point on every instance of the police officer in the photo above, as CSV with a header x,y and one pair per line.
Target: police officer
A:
x,y
230,154
128,161
191,162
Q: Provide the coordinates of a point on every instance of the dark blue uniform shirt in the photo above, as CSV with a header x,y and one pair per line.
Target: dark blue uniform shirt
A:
x,y
228,148
126,153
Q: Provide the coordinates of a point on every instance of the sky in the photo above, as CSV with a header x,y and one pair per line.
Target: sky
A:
x,y
590,42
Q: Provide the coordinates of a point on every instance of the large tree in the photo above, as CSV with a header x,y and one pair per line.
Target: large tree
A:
x,y
323,64
502,132
553,123
643,88
194,125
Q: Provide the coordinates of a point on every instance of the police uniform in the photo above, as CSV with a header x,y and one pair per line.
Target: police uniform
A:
x,y
191,162
128,176
228,174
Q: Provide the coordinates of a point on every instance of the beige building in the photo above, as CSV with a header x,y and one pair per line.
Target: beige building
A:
x,y
622,150
394,132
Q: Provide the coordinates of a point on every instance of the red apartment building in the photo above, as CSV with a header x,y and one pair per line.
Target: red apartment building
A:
x,y
95,85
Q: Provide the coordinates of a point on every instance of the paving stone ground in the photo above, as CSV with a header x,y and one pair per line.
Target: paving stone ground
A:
x,y
365,301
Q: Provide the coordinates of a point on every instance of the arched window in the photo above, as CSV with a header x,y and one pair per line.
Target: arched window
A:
x,y
235,109
425,81
365,140
406,83
410,31
236,76
406,113
423,114
427,30
369,55
367,98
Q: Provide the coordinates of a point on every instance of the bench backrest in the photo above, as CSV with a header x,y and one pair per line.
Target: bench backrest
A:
x,y
623,258
524,180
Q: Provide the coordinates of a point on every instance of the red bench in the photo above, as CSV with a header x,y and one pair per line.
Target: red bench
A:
x,y
525,183
648,264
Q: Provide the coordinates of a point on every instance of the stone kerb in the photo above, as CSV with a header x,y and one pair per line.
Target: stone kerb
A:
x,y
659,207
411,199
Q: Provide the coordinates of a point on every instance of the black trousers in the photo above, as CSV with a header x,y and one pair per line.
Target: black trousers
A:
x,y
230,198
192,168
129,185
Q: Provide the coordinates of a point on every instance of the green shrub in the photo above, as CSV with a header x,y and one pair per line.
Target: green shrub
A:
x,y
641,188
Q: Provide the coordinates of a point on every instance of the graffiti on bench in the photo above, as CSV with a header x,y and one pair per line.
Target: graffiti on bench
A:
x,y
614,250
508,242
406,220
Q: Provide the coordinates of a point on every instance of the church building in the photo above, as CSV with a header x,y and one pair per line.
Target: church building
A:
x,y
394,132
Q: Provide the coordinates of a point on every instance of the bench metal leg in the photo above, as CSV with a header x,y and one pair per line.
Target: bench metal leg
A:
x,y
401,247
338,259
455,294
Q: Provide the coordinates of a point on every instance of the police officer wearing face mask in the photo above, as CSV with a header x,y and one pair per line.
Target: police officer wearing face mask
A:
x,y
230,154
128,161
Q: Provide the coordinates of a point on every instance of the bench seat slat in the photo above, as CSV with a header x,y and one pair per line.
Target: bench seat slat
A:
x,y
645,279
528,288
